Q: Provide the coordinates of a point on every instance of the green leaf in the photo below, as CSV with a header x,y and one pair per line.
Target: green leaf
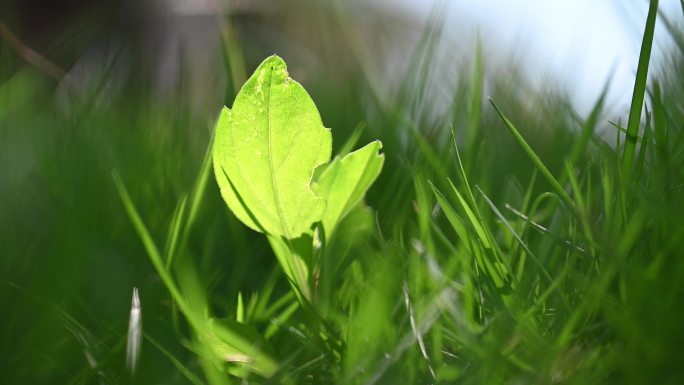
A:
x,y
266,150
344,182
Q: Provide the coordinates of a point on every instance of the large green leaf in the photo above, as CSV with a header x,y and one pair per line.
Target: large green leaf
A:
x,y
266,150
344,182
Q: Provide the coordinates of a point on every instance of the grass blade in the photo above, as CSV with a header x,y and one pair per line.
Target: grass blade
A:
x,y
189,375
543,230
352,140
174,231
200,187
150,246
474,219
644,145
588,127
538,162
639,91
508,226
263,363
474,117
451,215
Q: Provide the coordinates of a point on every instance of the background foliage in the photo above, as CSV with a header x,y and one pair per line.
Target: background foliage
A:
x,y
481,260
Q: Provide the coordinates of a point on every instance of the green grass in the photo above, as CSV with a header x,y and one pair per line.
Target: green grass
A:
x,y
505,242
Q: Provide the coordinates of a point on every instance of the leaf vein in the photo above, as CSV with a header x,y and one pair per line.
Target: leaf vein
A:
x,y
274,182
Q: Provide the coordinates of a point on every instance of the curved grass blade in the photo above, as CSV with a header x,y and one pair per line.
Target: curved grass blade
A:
x,y
538,162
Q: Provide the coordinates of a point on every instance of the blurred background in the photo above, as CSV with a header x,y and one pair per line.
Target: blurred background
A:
x,y
88,87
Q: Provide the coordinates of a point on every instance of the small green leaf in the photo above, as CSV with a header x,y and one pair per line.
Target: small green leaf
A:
x,y
266,150
344,182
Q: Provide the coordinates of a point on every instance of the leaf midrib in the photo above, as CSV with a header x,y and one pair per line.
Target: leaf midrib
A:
x,y
274,184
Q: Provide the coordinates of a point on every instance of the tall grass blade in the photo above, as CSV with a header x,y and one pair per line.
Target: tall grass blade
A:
x,y
199,189
588,127
174,232
150,247
639,91
644,146
451,215
474,116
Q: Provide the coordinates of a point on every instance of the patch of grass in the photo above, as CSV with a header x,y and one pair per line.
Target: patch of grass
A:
x,y
502,243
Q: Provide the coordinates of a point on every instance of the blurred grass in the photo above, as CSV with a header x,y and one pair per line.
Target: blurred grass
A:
x,y
481,261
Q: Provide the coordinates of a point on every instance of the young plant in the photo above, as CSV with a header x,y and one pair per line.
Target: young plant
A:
x,y
272,164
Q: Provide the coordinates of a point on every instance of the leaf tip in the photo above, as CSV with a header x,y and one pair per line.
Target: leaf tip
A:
x,y
274,62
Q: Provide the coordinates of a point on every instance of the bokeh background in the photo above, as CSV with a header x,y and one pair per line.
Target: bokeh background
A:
x,y
88,87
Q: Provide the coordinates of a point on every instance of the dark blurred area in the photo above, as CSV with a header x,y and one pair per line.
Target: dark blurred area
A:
x,y
62,30
97,49
178,52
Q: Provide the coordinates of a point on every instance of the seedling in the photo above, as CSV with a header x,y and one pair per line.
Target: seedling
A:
x,y
272,164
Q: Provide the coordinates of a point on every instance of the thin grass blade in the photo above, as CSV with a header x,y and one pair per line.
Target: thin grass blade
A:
x,y
537,161
639,91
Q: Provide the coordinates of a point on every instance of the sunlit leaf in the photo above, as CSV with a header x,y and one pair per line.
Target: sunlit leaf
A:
x,y
266,150
344,182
